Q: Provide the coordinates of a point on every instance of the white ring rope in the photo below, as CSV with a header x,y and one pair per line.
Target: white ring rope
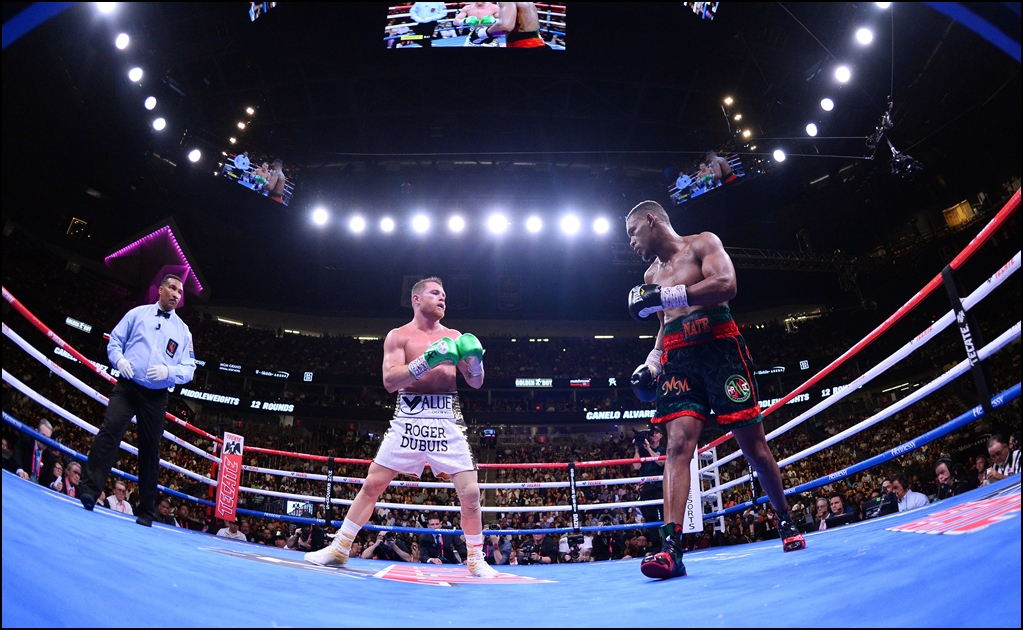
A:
x,y
441,484
961,368
92,393
89,391
455,508
75,420
969,302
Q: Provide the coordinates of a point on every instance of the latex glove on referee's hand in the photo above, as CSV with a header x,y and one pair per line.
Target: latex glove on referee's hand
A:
x,y
124,367
471,351
157,372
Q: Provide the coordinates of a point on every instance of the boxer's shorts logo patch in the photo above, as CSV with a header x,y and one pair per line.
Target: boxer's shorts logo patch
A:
x,y
411,404
738,389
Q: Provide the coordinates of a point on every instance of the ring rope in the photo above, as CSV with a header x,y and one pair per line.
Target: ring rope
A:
x,y
90,392
961,368
955,424
43,328
932,331
75,420
21,426
993,226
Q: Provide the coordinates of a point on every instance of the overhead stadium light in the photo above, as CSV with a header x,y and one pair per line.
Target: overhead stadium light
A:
x,y
811,130
728,100
827,104
357,224
320,216
150,103
883,5
106,7
570,224
387,224
779,155
843,74
497,223
241,125
135,75
864,36
421,223
738,117
250,111
122,41
232,140
534,224
601,226
456,223
159,124
747,133
194,155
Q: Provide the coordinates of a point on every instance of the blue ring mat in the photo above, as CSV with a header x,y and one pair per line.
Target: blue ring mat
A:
x,y
64,566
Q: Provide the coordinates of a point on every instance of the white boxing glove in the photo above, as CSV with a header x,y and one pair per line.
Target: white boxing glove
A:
x,y
157,372
124,367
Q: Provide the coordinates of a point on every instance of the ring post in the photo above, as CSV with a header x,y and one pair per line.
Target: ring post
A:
x,y
328,510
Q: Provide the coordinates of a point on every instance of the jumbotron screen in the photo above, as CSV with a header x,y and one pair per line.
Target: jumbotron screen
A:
x,y
262,174
475,25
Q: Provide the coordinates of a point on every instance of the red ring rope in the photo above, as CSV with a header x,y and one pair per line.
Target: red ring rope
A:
x,y
978,240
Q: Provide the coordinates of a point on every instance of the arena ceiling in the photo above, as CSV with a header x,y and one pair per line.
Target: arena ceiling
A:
x,y
596,128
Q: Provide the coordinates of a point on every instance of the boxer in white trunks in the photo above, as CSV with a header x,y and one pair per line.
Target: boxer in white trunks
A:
x,y
420,363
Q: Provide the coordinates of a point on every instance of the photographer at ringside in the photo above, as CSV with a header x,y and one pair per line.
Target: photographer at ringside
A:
x,y
387,547
648,444
496,549
538,549
607,545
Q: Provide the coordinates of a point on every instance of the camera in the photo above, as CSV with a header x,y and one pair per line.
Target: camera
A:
x,y
641,437
388,536
574,543
527,549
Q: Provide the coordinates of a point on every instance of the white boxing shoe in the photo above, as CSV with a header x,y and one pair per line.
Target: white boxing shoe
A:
x,y
481,569
331,555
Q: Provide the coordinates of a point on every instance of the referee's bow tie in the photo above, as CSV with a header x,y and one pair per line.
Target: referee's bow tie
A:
x,y
164,314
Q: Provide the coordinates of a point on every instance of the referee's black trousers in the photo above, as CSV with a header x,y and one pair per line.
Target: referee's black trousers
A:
x,y
128,399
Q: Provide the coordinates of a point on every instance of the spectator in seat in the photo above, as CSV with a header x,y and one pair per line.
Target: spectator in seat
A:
x,y
72,475
163,512
908,499
231,531
56,476
440,548
183,520
118,502
821,515
31,457
1004,461
838,507
950,483
980,467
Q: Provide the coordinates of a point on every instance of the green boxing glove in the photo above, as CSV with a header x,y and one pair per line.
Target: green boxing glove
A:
x,y
488,20
471,351
439,352
472,20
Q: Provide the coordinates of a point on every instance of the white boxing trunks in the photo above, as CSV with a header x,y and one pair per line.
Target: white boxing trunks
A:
x,y
426,429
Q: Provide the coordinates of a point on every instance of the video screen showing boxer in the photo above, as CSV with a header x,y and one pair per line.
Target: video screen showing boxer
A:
x,y
264,175
476,25
709,172
259,9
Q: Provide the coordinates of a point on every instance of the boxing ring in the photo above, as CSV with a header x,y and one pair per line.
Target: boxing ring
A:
x,y
63,565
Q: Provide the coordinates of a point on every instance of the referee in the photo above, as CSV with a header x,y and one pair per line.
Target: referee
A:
x,y
152,348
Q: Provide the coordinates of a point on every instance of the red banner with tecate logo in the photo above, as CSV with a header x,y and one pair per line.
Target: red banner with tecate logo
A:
x,y
230,476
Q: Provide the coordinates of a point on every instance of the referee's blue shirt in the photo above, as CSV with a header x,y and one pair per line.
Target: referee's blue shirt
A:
x,y
148,336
